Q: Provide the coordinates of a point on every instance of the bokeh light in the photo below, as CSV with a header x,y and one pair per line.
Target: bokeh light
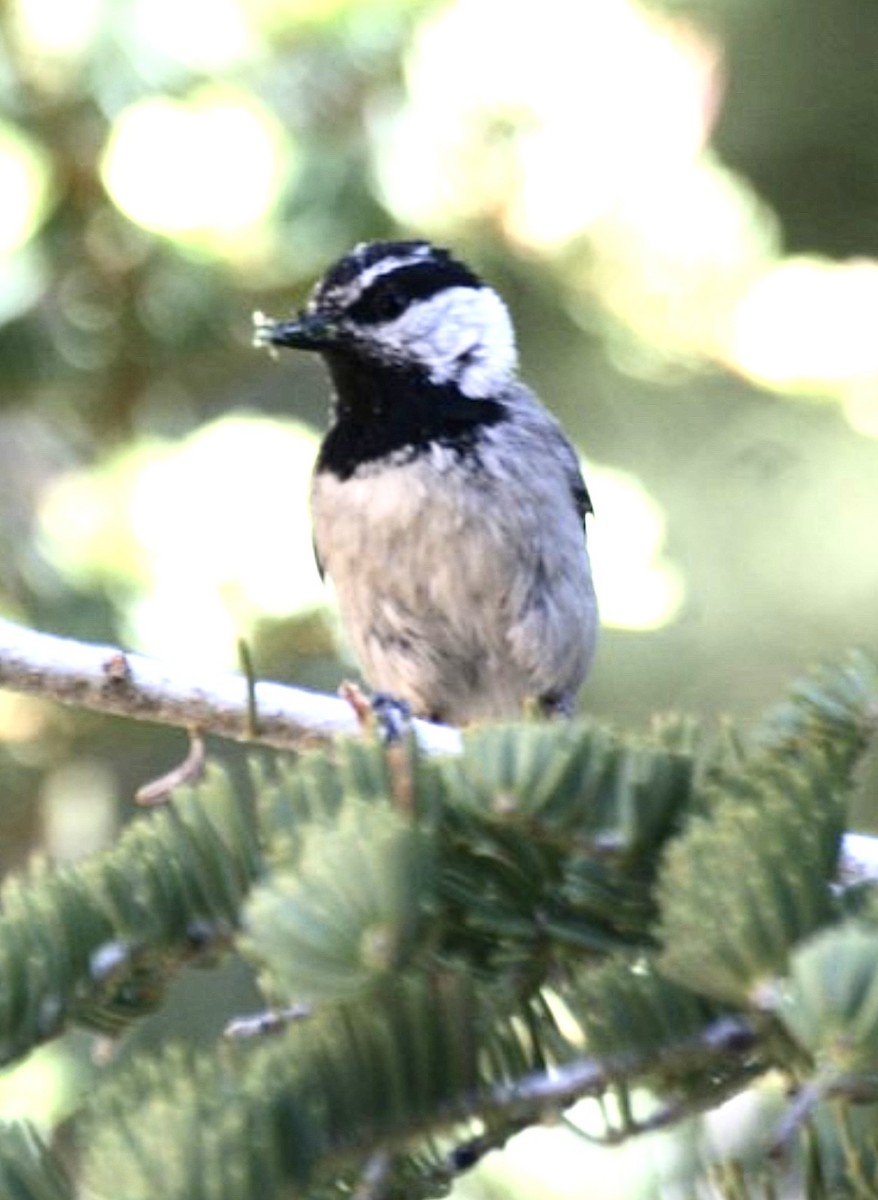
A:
x,y
808,323
637,587
207,169
25,181
78,810
673,258
47,31
204,35
196,539
860,406
45,1087
585,104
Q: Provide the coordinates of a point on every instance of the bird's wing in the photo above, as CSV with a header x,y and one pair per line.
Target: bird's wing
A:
x,y
573,473
581,498
543,426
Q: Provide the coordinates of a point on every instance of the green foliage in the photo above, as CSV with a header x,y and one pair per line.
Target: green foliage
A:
x,y
459,948
626,1009
97,942
267,1121
537,838
830,1001
833,709
28,1171
555,835
346,912
744,884
584,783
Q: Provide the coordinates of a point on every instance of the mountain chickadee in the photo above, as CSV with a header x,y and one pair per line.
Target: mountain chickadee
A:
x,y
448,506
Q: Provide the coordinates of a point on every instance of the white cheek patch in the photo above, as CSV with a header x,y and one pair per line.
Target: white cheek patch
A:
x,y
461,335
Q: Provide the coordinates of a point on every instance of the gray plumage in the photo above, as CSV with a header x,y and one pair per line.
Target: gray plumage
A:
x,y
454,538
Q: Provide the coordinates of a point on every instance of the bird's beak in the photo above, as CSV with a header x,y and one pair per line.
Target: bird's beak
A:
x,y
305,332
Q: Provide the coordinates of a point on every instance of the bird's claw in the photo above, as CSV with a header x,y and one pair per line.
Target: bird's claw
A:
x,y
393,717
390,715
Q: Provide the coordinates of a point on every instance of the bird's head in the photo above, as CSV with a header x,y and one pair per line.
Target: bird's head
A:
x,y
408,306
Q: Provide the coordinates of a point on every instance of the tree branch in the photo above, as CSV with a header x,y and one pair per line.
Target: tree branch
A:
x,y
104,679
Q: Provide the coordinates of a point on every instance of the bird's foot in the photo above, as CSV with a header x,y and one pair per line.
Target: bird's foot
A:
x,y
554,704
391,716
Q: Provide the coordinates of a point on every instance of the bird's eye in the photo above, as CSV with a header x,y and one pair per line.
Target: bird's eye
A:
x,y
468,356
387,302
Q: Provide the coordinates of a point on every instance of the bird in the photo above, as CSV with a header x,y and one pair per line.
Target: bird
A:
x,y
448,506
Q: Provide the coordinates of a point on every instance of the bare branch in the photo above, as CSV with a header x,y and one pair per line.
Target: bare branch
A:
x,y
104,679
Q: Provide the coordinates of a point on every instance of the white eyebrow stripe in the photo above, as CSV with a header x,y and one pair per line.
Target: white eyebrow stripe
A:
x,y
350,293
385,265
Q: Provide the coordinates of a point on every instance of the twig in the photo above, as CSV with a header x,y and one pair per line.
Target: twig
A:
x,y
159,791
560,1086
245,662
103,679
270,1020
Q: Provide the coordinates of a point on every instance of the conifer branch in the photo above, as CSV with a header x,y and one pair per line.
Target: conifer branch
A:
x,y
107,680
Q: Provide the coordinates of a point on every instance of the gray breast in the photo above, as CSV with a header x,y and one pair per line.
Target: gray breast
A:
x,y
463,584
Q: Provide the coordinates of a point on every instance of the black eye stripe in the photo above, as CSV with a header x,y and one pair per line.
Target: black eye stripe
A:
x,y
391,294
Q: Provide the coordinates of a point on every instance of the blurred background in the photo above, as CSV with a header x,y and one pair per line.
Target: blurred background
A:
x,y
678,200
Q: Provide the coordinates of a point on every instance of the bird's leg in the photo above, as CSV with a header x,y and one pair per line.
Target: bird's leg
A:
x,y
394,717
391,715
